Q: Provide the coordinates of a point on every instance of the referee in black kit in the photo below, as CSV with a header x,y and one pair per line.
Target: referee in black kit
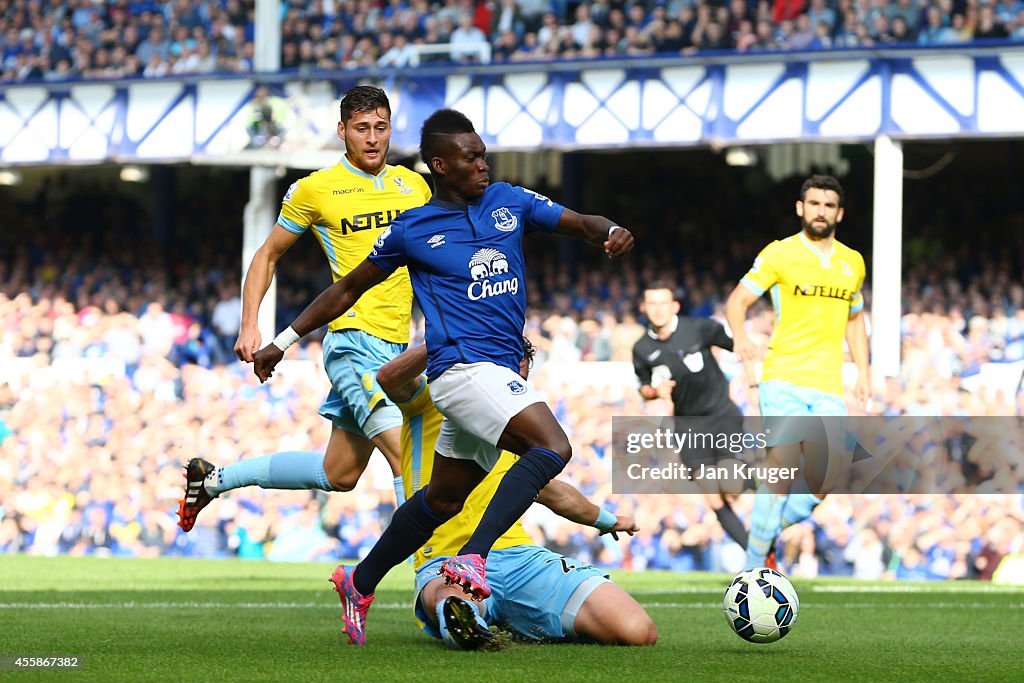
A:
x,y
673,361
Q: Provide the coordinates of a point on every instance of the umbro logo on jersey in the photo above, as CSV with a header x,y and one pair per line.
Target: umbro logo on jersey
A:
x,y
504,219
654,356
436,241
347,190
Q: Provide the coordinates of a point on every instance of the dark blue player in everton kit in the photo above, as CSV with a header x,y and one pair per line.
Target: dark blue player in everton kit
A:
x,y
466,265
464,254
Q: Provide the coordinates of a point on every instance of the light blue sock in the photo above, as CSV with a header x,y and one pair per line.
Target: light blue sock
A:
x,y
288,470
798,507
765,525
399,492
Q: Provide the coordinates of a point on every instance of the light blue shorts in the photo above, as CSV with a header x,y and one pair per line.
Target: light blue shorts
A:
x,y
782,399
534,591
351,360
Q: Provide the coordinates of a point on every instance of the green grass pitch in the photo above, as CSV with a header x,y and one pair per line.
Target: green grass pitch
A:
x,y
192,620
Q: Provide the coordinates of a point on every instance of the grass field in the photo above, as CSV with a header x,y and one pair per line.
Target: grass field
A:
x,y
192,620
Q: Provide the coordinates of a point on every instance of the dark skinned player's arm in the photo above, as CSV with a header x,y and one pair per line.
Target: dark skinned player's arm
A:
x,y
331,303
400,377
339,297
594,230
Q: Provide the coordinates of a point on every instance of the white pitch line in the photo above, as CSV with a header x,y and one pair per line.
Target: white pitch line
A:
x,y
886,605
965,589
408,606
919,588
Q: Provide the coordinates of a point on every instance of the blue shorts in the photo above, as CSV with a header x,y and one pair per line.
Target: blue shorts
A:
x,y
782,399
351,360
534,591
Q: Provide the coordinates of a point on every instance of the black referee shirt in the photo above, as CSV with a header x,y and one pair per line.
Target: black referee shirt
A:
x,y
701,387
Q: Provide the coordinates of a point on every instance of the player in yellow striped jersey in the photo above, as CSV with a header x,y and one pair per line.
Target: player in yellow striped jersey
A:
x,y
346,207
815,283
537,593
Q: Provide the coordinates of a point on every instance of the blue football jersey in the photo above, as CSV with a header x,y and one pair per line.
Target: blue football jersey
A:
x,y
467,270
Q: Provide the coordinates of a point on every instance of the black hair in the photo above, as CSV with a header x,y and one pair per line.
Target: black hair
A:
x,y
441,123
662,284
363,98
823,182
529,351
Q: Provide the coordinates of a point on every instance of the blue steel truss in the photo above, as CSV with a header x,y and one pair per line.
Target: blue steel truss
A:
x,y
726,100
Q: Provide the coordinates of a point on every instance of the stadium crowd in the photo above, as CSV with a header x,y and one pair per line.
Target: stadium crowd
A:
x,y
56,40
117,367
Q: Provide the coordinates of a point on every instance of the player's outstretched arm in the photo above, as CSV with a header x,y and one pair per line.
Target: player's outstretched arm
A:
x,y
736,306
568,502
595,230
331,303
257,282
400,377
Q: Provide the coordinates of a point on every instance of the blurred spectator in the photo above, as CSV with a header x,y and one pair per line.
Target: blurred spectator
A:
x,y
787,10
465,39
399,53
302,538
226,317
820,13
989,25
935,32
268,114
803,35
867,555
900,31
508,16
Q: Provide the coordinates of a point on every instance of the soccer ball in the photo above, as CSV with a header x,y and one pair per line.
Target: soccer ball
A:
x,y
761,605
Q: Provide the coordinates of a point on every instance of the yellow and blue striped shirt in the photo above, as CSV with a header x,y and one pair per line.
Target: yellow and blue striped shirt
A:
x,y
814,294
347,210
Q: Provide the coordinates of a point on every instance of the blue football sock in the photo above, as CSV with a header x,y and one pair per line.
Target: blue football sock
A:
x,y
287,470
411,526
765,525
798,507
399,501
515,493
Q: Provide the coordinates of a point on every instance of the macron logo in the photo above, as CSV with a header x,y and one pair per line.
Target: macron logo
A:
x,y
436,241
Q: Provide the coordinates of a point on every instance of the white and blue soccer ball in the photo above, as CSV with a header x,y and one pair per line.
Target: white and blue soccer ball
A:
x,y
761,605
